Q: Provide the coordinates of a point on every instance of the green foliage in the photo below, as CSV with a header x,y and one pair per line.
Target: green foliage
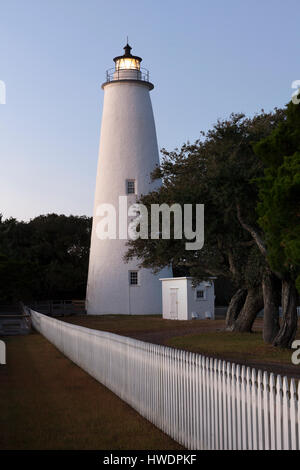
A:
x,y
217,171
44,258
279,195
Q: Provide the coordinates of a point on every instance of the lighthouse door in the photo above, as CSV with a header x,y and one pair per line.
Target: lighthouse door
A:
x,y
173,304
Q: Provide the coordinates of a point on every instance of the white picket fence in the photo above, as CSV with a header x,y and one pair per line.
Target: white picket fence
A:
x,y
200,402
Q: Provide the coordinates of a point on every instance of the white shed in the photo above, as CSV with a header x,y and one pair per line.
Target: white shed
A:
x,y
182,301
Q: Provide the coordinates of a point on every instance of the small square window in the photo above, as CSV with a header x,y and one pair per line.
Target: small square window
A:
x,y
200,294
133,278
130,186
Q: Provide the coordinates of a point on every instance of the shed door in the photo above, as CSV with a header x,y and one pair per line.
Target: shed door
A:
x,y
173,304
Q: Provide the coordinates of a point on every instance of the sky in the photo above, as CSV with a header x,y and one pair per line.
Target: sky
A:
x,y
207,59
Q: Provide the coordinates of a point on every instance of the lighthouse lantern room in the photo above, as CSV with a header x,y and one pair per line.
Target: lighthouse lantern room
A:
x,y
127,60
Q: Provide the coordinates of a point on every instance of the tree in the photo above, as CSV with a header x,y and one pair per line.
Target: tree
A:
x,y
279,212
218,171
44,258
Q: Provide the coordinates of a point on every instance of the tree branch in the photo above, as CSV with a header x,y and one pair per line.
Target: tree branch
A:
x,y
231,263
209,271
256,237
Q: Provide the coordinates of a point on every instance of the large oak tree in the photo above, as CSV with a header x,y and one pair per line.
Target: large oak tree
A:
x,y
218,171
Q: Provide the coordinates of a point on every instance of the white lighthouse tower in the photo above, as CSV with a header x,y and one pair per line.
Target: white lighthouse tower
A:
x,y
128,154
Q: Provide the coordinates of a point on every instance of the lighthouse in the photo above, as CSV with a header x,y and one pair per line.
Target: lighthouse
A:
x,y
128,154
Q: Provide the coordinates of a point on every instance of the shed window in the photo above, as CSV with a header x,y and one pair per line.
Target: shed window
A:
x,y
200,294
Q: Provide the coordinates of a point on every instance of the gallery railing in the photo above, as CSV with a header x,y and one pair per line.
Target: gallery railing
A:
x,y
123,74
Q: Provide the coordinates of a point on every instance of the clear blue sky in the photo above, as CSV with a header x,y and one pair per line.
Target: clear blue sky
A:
x,y
207,58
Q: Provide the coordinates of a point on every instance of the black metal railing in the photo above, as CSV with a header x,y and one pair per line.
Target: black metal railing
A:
x,y
55,308
127,74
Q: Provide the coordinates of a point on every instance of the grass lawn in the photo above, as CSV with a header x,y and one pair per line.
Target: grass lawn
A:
x,y
239,346
126,324
47,402
202,336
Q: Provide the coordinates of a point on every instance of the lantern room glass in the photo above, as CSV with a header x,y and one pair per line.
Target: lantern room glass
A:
x,y
127,63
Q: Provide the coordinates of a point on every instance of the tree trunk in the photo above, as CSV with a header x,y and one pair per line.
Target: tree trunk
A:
x,y
271,308
236,303
253,304
288,329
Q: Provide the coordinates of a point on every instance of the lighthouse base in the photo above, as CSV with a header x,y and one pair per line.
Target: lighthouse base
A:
x,y
112,297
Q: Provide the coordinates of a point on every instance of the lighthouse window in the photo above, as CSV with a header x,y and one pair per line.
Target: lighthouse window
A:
x,y
130,186
133,278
